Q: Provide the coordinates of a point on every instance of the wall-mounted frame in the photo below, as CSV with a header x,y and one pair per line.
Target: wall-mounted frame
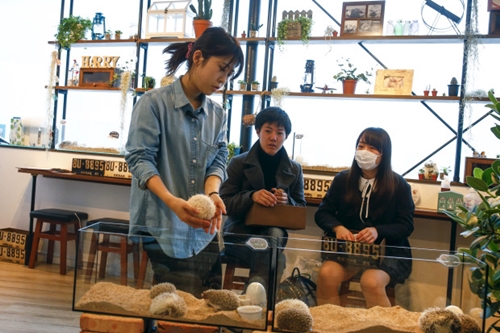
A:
x,y
393,82
494,22
493,5
476,162
96,77
362,18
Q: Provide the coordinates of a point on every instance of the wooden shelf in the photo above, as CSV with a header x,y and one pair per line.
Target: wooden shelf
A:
x,y
86,88
102,41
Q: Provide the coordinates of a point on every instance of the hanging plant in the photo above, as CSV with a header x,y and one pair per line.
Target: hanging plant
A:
x,y
53,79
278,94
72,29
305,30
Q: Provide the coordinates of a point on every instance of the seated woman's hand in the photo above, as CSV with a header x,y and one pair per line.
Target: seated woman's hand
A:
x,y
281,196
343,233
367,235
265,198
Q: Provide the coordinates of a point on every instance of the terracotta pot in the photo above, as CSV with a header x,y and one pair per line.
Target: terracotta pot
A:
x,y
426,92
434,93
200,26
434,176
349,86
421,176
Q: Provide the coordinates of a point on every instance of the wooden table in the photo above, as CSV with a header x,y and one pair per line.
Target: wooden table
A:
x,y
53,173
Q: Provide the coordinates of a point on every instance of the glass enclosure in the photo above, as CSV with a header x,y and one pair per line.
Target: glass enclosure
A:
x,y
115,275
420,279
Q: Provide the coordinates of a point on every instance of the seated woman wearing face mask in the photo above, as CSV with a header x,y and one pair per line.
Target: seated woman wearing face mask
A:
x,y
376,202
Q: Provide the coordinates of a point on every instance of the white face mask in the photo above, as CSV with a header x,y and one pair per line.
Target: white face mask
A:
x,y
366,159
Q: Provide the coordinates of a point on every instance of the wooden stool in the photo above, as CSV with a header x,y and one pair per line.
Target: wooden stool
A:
x,y
354,298
231,280
142,270
116,228
55,217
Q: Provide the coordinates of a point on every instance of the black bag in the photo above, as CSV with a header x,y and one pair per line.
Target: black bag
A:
x,y
299,287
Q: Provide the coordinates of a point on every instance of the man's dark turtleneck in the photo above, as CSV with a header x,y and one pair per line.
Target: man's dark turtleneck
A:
x,y
269,165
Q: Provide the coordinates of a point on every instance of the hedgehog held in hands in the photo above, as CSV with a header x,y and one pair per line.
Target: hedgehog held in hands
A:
x,y
204,205
294,319
168,304
223,299
161,288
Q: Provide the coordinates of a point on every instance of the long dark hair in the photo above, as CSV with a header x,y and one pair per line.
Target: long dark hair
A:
x,y
214,41
378,138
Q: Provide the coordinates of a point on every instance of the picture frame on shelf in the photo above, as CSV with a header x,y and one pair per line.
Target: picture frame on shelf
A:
x,y
494,22
96,77
362,18
493,5
393,82
476,162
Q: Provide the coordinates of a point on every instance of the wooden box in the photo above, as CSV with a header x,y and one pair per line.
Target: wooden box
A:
x,y
284,216
96,77
476,162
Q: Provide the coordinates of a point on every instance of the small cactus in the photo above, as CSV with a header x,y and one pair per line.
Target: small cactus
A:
x,y
204,12
454,80
274,79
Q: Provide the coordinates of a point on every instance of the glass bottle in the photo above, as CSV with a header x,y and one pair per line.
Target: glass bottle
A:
x,y
406,28
389,29
414,27
398,28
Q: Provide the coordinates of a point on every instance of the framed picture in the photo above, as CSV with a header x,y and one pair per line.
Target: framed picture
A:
x,y
476,162
393,82
494,22
362,18
96,77
493,5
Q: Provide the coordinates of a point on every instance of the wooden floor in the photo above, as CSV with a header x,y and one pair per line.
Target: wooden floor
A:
x,y
36,300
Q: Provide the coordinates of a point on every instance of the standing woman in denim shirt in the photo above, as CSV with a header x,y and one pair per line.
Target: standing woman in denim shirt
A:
x,y
176,148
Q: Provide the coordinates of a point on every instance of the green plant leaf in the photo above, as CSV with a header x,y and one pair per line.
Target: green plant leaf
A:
x,y
477,183
487,176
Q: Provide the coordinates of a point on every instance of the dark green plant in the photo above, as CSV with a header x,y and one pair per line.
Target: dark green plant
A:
x,y
484,224
349,72
454,81
72,29
255,26
204,11
148,82
119,32
231,148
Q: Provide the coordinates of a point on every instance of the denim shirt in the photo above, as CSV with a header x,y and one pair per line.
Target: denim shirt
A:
x,y
181,145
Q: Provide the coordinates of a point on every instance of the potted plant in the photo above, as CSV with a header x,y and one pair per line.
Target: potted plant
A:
x,y
148,82
118,34
243,84
254,29
483,222
421,174
434,92
72,29
433,174
274,83
234,150
445,171
107,35
427,89
201,21
302,22
453,87
349,76
255,85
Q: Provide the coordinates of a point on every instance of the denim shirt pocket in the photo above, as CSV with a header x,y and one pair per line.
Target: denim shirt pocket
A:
x,y
209,151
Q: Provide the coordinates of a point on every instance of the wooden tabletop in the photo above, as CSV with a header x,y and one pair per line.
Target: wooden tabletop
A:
x,y
67,174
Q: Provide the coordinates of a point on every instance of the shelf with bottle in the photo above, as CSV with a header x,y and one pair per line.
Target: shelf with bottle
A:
x,y
412,39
